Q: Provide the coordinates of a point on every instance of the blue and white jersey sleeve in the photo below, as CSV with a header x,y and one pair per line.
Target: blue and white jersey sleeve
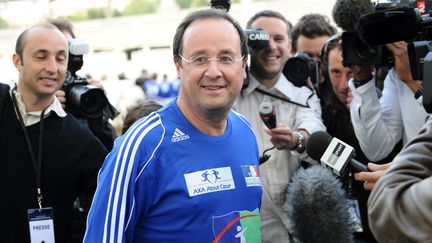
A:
x,y
114,207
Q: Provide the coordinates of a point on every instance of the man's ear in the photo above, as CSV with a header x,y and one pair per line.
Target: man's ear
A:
x,y
17,61
245,66
178,65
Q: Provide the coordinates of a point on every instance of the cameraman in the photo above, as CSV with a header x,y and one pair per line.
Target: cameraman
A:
x,y
336,117
309,36
294,122
100,127
399,114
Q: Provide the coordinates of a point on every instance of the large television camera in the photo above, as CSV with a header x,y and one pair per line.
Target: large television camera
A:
x,y
81,100
403,21
385,24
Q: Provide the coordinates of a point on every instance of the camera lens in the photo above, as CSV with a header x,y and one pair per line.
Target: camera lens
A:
x,y
296,70
92,100
87,100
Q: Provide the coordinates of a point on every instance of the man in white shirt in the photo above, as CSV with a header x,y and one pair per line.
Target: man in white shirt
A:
x,y
295,120
380,124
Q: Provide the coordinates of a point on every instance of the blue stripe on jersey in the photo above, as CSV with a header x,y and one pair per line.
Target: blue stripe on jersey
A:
x,y
115,215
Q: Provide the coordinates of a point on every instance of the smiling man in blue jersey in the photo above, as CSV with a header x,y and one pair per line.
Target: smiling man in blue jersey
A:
x,y
189,171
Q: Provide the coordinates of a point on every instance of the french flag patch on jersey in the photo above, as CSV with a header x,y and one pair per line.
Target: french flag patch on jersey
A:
x,y
251,175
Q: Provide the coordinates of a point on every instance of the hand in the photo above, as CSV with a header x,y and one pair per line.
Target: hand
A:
x,y
61,96
282,137
400,54
96,83
370,178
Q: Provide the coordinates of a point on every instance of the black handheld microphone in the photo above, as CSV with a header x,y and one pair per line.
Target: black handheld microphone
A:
x,y
333,153
268,114
317,205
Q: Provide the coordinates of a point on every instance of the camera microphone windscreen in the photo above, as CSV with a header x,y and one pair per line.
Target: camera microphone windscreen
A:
x,y
389,26
268,114
317,206
347,12
333,153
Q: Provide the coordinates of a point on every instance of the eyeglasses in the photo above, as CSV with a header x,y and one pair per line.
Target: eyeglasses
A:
x,y
198,61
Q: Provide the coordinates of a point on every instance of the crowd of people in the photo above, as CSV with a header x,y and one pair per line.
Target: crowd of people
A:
x,y
186,162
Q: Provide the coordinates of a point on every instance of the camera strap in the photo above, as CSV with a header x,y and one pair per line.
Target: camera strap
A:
x,y
283,98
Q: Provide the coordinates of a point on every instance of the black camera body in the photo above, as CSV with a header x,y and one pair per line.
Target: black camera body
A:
x,y
81,100
299,68
356,51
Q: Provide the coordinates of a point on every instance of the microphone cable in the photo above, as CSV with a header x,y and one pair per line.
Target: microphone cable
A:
x,y
264,157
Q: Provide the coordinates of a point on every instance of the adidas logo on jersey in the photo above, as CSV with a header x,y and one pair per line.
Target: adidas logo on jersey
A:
x,y
179,136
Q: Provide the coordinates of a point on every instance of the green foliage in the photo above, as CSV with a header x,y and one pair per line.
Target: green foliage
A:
x,y
136,7
92,13
79,16
3,23
96,13
184,4
201,3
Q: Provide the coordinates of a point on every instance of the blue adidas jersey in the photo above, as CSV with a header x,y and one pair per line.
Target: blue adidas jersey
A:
x,y
165,181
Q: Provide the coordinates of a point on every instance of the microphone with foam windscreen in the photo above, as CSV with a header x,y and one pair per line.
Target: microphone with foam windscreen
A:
x,y
333,153
317,207
391,25
268,114
346,13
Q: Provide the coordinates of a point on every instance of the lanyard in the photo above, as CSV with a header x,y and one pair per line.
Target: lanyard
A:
x,y
36,165
284,99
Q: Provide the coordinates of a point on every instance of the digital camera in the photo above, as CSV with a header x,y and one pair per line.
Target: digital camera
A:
x,y
81,100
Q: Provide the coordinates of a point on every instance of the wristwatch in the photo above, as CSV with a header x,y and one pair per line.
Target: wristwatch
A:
x,y
300,148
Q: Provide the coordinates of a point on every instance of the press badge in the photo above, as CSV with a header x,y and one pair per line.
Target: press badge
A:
x,y
41,225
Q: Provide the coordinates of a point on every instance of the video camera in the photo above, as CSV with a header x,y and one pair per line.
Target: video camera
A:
x,y
366,44
81,100
408,21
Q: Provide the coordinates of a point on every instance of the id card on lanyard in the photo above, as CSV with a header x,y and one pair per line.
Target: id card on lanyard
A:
x,y
41,223
40,219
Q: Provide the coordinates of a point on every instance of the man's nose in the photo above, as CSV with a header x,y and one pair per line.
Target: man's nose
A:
x,y
51,65
213,69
